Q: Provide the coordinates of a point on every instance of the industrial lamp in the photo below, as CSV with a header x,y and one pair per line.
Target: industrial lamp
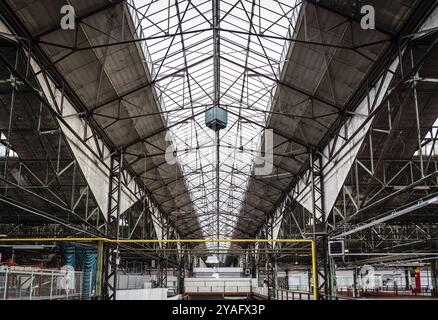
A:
x,y
212,260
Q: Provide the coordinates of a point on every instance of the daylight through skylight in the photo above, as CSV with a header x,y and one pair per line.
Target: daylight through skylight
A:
x,y
179,53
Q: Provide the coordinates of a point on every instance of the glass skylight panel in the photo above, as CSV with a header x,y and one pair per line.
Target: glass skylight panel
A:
x,y
179,54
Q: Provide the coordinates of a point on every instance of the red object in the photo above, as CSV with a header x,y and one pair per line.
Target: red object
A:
x,y
417,280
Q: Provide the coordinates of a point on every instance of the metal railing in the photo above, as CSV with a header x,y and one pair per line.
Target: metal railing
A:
x,y
329,297
393,291
293,295
282,294
37,284
302,288
261,291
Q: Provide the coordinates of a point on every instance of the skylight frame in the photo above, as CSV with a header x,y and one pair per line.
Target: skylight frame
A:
x,y
266,56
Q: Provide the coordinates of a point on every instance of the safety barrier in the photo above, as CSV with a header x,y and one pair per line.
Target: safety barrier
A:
x,y
308,242
293,295
38,284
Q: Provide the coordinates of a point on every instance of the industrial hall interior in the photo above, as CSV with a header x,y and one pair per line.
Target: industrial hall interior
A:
x,y
218,150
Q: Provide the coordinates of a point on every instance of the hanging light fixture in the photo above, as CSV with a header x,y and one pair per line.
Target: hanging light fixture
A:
x,y
212,260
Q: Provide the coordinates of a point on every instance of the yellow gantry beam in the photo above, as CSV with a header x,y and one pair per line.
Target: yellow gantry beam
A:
x,y
126,241
155,240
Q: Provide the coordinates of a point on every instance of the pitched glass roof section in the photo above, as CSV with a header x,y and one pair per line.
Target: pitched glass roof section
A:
x,y
179,52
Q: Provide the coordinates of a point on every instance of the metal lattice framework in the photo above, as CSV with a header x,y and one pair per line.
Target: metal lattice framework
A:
x,y
191,75
134,70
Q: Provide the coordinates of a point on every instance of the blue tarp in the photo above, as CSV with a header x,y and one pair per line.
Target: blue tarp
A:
x,y
83,259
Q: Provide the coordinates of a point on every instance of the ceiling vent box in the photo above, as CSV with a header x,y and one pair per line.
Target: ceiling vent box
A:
x,y
336,248
216,118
